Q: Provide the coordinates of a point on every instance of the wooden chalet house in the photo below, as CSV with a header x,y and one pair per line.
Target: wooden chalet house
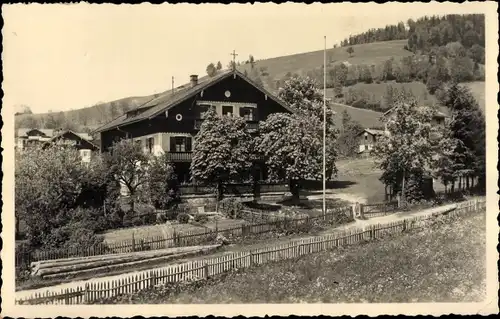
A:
x,y
80,141
169,122
367,140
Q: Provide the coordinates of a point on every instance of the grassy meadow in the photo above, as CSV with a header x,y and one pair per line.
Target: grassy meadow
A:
x,y
443,263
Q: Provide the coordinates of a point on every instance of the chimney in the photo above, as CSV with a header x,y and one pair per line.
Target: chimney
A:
x,y
194,80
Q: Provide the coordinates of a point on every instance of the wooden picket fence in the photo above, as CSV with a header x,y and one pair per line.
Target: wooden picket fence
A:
x,y
379,209
191,238
203,269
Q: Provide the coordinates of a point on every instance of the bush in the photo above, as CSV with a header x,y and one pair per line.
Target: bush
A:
x,y
231,208
200,218
161,218
183,218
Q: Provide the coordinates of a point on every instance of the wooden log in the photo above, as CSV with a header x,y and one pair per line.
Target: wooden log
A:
x,y
51,268
146,254
122,266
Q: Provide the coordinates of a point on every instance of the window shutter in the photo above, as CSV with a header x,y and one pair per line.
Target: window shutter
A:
x,y
189,144
172,144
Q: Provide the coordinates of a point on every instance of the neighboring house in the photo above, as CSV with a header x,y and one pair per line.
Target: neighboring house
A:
x,y
28,137
169,122
368,138
81,141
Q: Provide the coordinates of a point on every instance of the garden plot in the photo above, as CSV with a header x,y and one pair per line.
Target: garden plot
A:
x,y
149,231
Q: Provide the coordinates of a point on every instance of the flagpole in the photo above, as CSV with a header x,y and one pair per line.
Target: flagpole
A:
x,y
324,130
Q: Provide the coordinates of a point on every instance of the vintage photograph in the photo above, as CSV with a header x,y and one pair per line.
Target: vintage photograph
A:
x,y
250,154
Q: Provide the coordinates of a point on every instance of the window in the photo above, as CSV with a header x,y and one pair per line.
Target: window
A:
x,y
374,138
180,144
150,142
247,113
227,110
202,108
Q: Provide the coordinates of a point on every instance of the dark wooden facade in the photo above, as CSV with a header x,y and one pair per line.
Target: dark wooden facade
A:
x,y
185,117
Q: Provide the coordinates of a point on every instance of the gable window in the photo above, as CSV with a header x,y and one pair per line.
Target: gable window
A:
x,y
227,110
247,113
180,144
202,108
150,142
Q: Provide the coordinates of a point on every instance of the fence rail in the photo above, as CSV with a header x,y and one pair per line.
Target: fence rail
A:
x,y
198,270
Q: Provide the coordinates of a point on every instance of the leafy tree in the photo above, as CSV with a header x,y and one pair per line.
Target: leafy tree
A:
x,y
292,145
366,75
219,66
222,151
387,73
128,164
211,70
477,53
347,143
162,183
406,152
468,127
437,75
338,76
48,185
461,69
350,50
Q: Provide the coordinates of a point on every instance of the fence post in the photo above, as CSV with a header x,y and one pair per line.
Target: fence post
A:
x,y
252,261
86,294
205,270
133,242
404,225
153,278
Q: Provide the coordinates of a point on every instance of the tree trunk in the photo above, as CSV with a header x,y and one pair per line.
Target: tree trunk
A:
x,y
218,196
294,189
453,187
460,183
403,195
467,182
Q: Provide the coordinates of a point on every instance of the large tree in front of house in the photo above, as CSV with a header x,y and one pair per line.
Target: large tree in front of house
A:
x,y
128,163
292,145
303,95
292,148
222,151
408,151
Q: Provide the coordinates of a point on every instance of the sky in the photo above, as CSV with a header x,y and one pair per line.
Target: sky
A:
x,y
69,56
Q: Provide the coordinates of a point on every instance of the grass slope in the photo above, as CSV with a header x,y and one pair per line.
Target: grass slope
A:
x,y
370,53
445,263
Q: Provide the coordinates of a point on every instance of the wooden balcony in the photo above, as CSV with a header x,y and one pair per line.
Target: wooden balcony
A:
x,y
251,125
179,156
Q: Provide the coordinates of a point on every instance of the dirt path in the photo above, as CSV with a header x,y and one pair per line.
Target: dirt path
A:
x,y
357,224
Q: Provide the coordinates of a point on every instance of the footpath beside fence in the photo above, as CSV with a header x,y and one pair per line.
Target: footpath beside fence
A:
x,y
203,269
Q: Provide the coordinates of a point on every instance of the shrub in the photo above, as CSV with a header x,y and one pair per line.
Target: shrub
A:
x,y
183,218
231,208
161,218
201,218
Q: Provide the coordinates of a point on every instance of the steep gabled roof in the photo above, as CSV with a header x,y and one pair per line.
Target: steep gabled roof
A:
x,y
168,100
84,136
22,132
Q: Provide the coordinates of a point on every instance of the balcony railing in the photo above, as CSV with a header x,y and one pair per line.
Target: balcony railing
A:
x,y
251,125
179,156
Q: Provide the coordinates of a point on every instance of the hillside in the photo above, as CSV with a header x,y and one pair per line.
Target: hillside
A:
x,y
302,63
